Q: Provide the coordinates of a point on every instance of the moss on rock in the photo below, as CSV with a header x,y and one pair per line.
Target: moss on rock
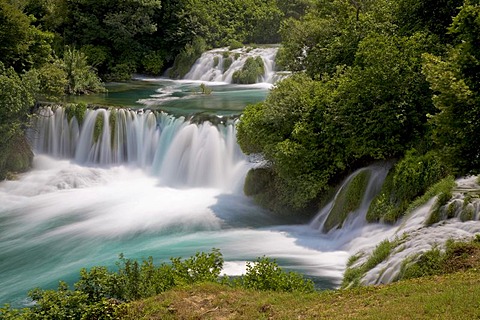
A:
x,y
349,199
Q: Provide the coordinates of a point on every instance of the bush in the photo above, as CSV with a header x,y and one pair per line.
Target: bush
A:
x,y
251,71
409,179
153,62
235,44
457,256
101,294
265,274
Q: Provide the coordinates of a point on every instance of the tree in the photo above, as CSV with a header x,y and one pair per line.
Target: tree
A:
x,y
22,45
455,79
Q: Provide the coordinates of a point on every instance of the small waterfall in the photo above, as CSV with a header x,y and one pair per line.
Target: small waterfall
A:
x,y
179,152
218,65
414,236
371,181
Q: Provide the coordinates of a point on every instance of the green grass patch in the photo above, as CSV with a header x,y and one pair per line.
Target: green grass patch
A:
x,y
458,255
353,275
443,297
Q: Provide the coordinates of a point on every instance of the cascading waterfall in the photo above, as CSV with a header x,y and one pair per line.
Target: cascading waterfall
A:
x,y
459,220
210,66
179,152
146,183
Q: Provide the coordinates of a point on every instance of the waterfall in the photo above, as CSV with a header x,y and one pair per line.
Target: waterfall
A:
x,y
179,152
213,65
354,219
459,219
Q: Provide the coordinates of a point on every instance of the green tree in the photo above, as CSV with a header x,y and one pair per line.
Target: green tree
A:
x,y
22,45
455,80
117,25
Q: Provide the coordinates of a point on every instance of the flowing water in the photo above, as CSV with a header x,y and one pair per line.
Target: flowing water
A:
x,y
149,183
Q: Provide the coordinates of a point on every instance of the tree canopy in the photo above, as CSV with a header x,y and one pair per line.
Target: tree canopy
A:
x,y
373,81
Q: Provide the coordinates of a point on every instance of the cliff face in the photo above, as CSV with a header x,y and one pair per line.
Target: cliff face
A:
x,y
16,156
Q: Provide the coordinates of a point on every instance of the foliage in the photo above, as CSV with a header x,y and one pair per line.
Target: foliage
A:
x,y
153,62
53,81
235,44
354,274
251,71
329,33
265,274
23,45
458,255
205,89
121,26
81,78
444,186
375,109
101,294
227,62
455,80
409,179
426,15
17,96
435,211
76,110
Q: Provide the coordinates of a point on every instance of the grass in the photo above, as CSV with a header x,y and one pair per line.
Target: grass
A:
x,y
453,296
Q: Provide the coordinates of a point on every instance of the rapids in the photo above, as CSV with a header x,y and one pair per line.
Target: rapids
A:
x,y
147,183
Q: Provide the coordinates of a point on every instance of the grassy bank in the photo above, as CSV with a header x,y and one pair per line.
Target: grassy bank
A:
x,y
453,296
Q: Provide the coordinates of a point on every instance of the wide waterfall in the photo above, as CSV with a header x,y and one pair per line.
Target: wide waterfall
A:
x,y
213,65
145,183
179,152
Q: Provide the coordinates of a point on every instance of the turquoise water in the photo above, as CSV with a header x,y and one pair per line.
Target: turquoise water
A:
x,y
65,215
178,97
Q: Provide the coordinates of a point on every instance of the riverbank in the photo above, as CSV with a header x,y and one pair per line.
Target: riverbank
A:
x,y
453,296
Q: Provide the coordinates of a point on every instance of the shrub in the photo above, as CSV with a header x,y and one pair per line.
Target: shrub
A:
x,y
252,70
153,62
235,44
265,274
101,294
408,181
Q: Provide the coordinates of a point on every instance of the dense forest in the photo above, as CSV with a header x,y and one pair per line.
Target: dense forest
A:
x,y
373,80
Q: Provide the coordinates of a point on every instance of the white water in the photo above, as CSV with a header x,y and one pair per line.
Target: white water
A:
x,y
209,67
164,187
180,153
418,237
